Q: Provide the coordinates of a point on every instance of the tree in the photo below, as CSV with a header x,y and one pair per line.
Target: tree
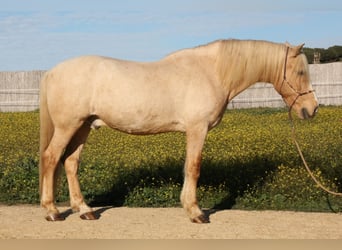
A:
x,y
332,54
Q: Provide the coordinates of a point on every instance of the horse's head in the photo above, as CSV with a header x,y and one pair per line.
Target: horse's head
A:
x,y
295,87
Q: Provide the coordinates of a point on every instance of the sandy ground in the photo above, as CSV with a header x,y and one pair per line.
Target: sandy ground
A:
x,y
27,222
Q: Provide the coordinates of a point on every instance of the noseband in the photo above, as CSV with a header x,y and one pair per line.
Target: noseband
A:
x,y
299,93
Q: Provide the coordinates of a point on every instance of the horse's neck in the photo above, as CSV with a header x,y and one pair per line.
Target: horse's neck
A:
x,y
241,69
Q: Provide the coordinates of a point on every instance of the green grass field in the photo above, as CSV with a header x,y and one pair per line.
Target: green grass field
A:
x,y
249,162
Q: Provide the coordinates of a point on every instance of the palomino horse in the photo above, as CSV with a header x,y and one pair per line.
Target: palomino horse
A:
x,y
186,91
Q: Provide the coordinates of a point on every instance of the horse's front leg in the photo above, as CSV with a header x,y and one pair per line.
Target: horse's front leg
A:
x,y
195,137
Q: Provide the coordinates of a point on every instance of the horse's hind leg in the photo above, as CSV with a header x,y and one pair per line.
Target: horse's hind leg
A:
x,y
195,140
50,164
71,160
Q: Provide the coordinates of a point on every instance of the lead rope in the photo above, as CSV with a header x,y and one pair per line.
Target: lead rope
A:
x,y
294,129
304,161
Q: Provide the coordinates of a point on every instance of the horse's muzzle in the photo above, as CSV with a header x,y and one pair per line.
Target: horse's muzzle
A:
x,y
307,115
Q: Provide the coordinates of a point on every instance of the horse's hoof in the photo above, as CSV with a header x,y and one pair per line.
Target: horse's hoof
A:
x,y
54,217
88,216
202,219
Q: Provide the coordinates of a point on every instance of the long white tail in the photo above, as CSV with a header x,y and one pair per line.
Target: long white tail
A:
x,y
46,126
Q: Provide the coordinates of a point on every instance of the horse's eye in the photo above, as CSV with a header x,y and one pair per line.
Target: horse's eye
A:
x,y
301,72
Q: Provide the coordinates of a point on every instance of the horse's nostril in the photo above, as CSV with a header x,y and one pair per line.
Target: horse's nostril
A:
x,y
305,113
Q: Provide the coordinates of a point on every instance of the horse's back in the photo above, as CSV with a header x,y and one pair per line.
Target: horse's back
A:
x,y
132,97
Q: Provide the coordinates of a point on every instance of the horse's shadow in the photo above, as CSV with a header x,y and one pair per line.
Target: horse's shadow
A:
x,y
239,176
97,213
208,212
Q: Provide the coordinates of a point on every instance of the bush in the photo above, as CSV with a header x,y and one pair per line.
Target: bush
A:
x,y
19,183
290,189
244,161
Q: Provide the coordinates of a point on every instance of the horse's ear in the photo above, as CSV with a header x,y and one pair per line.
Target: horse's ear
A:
x,y
297,50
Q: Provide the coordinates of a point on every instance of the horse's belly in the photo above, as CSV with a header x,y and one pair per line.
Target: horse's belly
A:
x,y
140,124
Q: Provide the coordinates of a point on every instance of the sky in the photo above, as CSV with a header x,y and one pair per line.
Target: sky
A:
x,y
38,34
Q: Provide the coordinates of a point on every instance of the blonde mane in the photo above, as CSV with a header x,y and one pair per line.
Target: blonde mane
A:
x,y
241,63
249,61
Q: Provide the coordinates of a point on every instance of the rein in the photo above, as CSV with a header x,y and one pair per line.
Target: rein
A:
x,y
319,184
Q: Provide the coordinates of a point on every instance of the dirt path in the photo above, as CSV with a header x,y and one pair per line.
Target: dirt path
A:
x,y
27,222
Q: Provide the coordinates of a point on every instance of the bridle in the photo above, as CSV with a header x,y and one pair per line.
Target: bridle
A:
x,y
299,93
